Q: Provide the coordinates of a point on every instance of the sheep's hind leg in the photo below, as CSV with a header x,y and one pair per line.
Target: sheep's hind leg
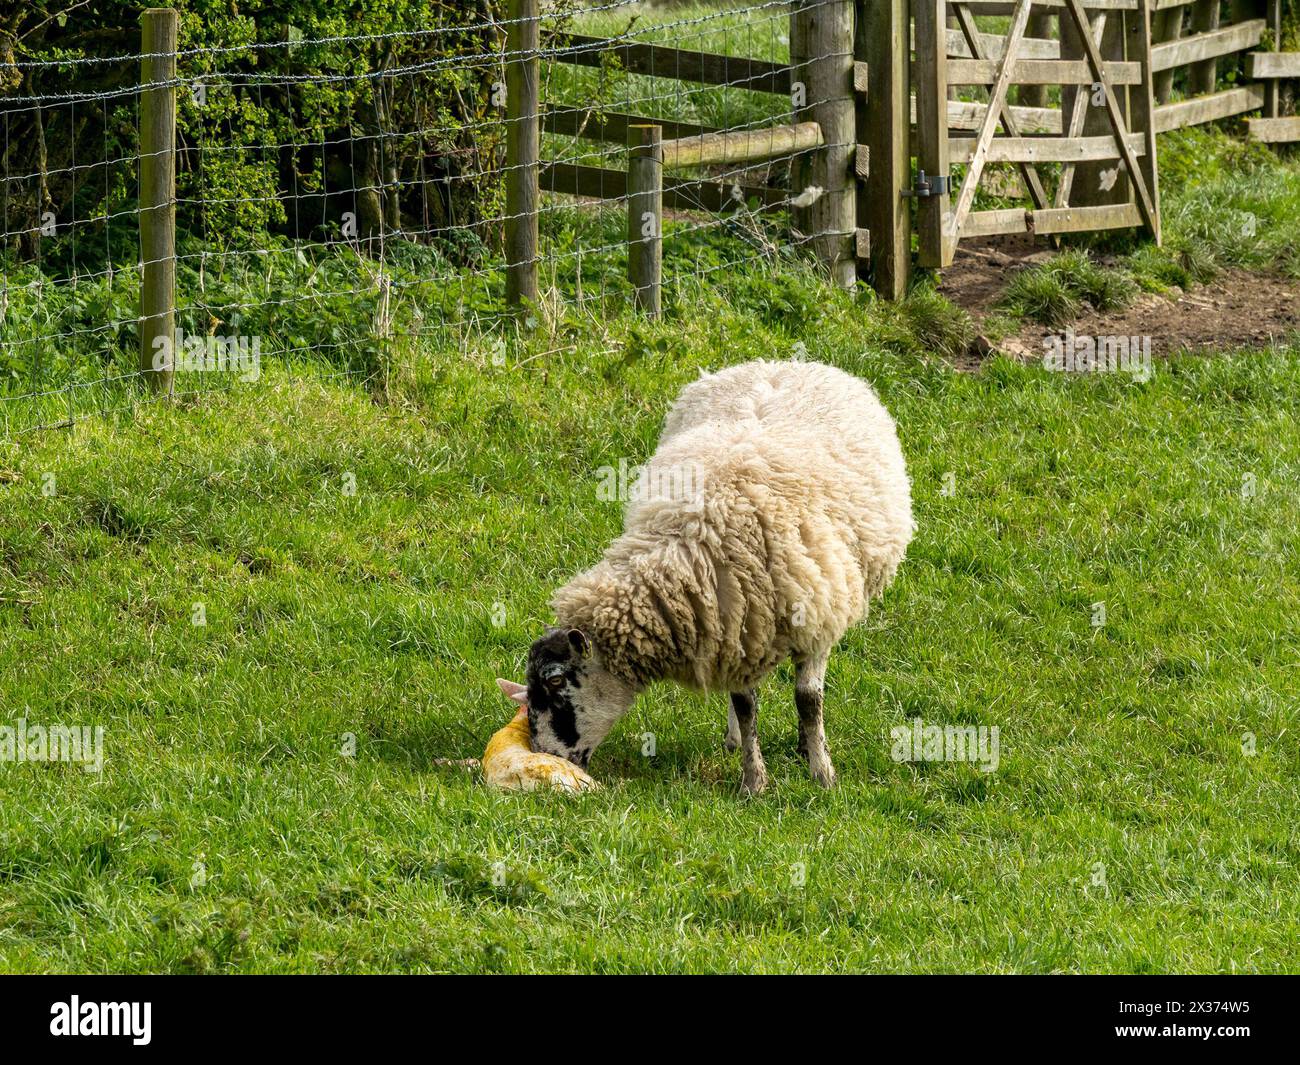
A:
x,y
809,684
733,729
745,707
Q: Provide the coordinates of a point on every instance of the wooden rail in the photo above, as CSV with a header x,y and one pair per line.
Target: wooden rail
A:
x,y
1275,130
1211,45
691,194
1041,72
611,126
1043,149
1052,220
741,146
1262,65
1201,109
993,45
662,61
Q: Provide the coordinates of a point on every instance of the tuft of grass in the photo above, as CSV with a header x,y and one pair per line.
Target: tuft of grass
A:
x,y
1104,289
937,325
1041,295
1162,269
1054,292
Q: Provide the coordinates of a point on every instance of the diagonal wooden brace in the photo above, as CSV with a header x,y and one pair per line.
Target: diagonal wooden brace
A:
x,y
1146,206
971,32
997,100
1077,117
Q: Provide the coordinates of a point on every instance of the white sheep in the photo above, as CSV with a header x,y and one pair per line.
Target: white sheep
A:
x,y
775,507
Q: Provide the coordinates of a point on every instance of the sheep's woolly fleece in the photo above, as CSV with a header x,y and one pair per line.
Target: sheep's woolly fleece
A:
x,y
791,509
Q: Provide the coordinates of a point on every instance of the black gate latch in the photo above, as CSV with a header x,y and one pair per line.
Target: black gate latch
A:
x,y
932,185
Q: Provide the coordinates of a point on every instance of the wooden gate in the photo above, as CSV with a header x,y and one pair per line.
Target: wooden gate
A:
x,y
1105,129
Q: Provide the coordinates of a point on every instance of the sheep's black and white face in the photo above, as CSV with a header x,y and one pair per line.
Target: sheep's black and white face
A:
x,y
573,701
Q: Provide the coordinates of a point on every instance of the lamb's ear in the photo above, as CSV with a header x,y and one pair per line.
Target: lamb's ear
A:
x,y
579,642
511,690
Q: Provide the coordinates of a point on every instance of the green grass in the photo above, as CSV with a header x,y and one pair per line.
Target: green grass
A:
x,y
1055,292
229,831
758,34
368,558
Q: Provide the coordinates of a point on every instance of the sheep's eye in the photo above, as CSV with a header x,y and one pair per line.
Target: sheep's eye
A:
x,y
555,682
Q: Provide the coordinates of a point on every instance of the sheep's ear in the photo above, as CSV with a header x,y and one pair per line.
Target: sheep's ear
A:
x,y
579,642
511,690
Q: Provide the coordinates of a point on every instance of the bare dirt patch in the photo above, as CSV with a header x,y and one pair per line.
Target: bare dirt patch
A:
x,y
1238,309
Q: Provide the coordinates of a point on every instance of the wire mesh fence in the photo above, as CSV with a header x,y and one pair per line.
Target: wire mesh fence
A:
x,y
185,210
336,196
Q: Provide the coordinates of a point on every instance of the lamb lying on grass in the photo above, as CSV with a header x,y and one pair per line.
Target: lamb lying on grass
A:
x,y
789,509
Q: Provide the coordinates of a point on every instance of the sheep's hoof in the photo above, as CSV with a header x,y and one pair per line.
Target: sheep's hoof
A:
x,y
731,742
824,775
823,772
754,781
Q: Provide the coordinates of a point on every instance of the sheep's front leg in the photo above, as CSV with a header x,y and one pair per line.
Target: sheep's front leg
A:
x,y
745,706
809,684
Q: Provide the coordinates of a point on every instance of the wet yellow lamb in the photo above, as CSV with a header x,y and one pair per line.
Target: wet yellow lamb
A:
x,y
511,764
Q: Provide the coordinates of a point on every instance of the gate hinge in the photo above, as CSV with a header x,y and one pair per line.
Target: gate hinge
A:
x,y
931,185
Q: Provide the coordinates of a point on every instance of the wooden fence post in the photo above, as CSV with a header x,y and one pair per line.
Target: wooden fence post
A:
x,y
1166,25
1142,105
1040,26
158,197
930,76
1097,184
821,58
523,149
1273,88
645,215
1202,77
881,38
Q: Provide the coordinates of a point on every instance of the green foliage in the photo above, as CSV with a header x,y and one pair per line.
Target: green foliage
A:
x,y
1207,155
776,300
273,136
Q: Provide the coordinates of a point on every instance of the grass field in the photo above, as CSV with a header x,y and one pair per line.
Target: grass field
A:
x,y
286,601
269,801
